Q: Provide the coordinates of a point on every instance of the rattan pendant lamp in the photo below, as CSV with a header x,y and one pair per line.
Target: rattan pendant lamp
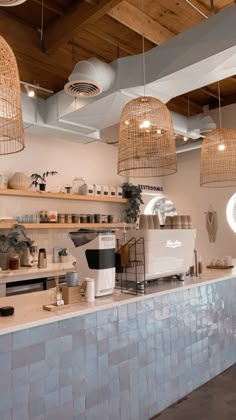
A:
x,y
146,145
218,156
11,123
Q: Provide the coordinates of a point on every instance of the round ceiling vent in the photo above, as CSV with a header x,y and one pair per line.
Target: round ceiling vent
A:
x,y
90,78
9,3
82,88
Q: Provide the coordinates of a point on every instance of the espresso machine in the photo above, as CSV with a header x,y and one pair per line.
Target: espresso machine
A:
x,y
95,254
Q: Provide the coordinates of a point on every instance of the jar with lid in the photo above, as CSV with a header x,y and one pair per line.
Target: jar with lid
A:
x,y
68,218
14,262
90,218
83,218
61,218
77,183
75,218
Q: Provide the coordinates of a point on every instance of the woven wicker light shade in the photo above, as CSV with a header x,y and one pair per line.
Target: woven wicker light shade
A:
x,y
218,159
11,124
146,139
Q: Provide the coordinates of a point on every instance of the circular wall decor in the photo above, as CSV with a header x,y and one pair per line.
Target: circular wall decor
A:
x,y
231,212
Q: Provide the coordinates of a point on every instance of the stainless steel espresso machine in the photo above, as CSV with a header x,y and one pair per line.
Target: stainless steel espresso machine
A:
x,y
95,254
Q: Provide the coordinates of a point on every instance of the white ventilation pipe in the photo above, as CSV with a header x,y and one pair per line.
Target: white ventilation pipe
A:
x,y
90,78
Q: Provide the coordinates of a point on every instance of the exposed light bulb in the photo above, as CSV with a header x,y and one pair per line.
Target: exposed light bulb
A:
x,y
31,93
221,147
145,124
127,122
158,131
185,138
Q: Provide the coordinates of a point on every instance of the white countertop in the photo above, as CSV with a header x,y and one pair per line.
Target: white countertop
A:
x,y
26,273
29,311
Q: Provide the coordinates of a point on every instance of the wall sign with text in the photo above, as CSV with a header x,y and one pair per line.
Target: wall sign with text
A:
x,y
150,187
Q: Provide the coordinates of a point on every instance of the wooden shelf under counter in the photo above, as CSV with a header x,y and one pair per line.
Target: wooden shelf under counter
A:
x,y
120,225
61,196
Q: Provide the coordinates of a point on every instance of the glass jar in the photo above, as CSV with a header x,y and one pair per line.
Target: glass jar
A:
x,y
83,218
61,218
97,218
90,218
75,218
14,262
68,218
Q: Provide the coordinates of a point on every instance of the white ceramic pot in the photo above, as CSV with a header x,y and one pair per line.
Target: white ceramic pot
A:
x,y
19,181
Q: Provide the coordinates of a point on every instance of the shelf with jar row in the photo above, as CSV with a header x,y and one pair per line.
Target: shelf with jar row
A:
x,y
62,196
120,225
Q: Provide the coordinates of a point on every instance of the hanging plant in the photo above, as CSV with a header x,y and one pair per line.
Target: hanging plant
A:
x,y
134,194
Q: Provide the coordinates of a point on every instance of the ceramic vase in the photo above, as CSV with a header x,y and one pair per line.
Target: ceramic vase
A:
x,y
19,181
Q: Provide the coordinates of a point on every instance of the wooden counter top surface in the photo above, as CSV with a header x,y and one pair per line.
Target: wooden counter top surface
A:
x,y
29,310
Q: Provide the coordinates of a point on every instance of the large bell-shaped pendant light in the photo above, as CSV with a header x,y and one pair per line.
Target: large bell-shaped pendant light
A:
x,y
146,139
218,156
218,159
11,123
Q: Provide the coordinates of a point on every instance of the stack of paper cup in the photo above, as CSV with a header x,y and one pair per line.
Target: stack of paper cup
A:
x,y
168,222
143,221
156,222
189,219
176,222
227,261
150,221
184,222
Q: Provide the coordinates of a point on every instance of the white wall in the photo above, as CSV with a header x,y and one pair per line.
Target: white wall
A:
x,y
185,191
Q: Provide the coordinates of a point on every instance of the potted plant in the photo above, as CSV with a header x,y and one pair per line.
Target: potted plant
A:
x,y
40,180
134,194
15,241
63,255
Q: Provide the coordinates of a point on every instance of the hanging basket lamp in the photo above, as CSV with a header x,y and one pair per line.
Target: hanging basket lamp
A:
x,y
218,159
11,123
146,139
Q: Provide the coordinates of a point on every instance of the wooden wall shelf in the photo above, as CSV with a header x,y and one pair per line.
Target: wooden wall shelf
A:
x,y
61,196
6,225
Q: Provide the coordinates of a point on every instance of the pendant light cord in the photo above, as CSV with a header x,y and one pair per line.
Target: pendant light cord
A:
x,y
220,124
143,56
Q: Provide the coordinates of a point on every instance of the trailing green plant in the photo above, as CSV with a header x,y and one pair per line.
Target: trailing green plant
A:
x,y
134,194
41,179
15,240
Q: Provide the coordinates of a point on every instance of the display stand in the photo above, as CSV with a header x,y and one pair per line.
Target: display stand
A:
x,y
130,266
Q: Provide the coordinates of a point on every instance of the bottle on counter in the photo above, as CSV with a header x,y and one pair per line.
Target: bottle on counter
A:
x,y
199,265
42,258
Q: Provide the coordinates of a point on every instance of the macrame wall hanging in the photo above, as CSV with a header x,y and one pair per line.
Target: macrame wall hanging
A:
x,y
211,225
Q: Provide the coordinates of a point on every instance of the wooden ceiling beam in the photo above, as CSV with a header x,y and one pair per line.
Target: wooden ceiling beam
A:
x,y
110,39
76,19
49,6
211,93
200,6
139,22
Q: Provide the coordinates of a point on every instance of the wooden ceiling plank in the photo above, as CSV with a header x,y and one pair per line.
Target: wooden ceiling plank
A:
x,y
52,7
135,19
67,26
210,92
109,38
201,7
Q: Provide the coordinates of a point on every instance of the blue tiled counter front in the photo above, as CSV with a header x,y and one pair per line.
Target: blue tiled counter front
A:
x,y
127,362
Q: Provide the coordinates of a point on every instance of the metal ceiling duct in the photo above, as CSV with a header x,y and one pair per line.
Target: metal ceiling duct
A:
x,y
9,3
90,78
